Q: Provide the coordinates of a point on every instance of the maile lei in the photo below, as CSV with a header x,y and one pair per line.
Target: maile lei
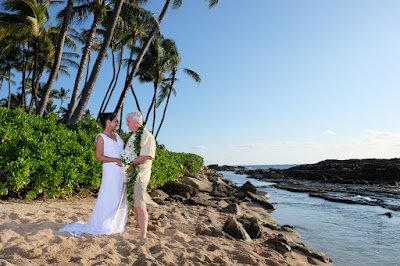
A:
x,y
131,151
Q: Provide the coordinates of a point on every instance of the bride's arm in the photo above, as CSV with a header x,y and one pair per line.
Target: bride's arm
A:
x,y
100,153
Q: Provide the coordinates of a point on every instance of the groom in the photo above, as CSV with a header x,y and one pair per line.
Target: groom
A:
x,y
144,160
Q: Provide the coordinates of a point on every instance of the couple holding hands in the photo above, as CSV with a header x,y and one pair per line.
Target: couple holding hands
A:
x,y
110,212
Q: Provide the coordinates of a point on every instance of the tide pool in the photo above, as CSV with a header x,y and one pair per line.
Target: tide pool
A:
x,y
352,235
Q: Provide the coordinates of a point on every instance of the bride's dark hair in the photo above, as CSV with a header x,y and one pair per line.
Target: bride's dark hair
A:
x,y
103,117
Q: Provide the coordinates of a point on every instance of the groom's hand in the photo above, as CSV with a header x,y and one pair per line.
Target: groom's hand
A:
x,y
141,159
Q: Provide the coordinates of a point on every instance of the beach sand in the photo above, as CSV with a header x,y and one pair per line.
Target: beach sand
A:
x,y
29,236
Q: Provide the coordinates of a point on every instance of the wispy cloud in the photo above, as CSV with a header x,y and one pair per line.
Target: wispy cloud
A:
x,y
200,147
329,133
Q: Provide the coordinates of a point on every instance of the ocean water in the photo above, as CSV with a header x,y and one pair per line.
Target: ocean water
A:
x,y
352,235
275,166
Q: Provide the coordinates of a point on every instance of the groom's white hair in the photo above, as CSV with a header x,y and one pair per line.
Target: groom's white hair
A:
x,y
135,116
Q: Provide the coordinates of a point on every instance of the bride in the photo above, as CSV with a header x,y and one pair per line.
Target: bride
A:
x,y
111,210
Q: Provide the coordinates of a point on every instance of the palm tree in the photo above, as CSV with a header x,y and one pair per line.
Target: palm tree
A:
x,y
98,8
10,57
10,81
87,89
176,4
132,26
87,114
50,107
82,38
107,39
58,54
160,58
62,95
13,101
28,20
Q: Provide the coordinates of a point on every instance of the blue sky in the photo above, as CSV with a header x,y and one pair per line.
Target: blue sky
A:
x,y
283,82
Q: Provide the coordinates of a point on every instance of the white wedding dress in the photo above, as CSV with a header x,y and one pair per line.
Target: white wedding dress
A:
x,y
111,210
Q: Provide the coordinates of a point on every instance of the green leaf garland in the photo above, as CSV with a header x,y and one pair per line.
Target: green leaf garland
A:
x,y
135,170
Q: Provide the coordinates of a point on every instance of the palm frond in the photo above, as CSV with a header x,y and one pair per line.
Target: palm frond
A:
x,y
193,75
212,3
176,4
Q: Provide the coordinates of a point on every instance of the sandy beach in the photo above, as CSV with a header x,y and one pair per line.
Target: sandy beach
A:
x,y
29,236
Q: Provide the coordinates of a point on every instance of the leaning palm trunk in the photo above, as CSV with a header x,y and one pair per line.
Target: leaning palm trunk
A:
x,y
136,100
81,69
140,58
57,57
113,82
87,90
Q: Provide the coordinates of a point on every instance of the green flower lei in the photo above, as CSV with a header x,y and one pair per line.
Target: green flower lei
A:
x,y
135,170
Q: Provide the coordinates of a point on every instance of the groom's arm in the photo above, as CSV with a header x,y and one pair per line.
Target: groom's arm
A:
x,y
141,159
147,148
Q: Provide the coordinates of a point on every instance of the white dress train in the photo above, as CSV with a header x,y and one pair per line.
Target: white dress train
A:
x,y
110,212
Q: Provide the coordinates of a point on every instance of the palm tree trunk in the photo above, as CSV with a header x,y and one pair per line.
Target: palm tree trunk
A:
x,y
23,92
111,83
81,69
152,100
166,105
140,58
1,82
136,100
165,110
120,121
87,90
34,99
24,80
62,101
9,88
154,115
88,64
115,81
57,57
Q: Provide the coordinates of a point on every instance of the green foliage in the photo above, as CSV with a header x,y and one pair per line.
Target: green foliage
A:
x,y
40,157
170,165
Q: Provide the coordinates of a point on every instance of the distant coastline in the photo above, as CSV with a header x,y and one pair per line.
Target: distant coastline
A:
x,y
374,182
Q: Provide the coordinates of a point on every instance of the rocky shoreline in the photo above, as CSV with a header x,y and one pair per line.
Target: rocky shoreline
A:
x,y
211,189
374,182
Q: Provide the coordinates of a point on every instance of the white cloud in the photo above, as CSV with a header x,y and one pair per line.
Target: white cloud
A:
x,y
329,133
200,147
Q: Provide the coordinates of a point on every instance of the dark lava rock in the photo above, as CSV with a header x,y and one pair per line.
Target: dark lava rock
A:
x,y
252,226
354,171
248,187
175,187
262,200
235,229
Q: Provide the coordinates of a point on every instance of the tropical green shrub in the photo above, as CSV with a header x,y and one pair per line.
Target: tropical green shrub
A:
x,y
40,157
170,165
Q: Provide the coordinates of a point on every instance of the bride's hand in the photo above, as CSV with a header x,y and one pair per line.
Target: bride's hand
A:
x,y
119,163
